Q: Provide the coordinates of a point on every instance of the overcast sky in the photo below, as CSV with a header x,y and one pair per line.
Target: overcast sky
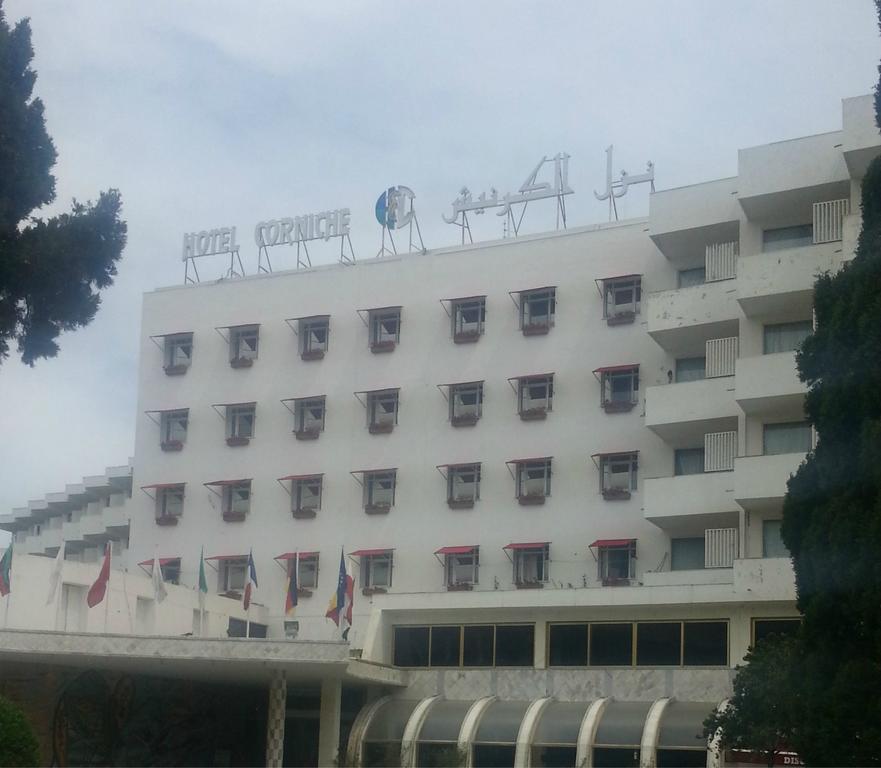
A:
x,y
225,113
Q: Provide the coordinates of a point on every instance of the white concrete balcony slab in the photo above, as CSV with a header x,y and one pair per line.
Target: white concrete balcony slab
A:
x,y
769,384
687,411
71,533
783,179
691,502
681,320
688,578
783,281
115,519
51,540
684,220
92,527
765,578
760,481
862,140
34,545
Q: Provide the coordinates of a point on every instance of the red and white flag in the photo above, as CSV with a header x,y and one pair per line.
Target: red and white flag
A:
x,y
99,588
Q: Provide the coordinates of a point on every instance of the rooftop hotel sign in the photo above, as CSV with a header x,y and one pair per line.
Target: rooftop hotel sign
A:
x,y
300,229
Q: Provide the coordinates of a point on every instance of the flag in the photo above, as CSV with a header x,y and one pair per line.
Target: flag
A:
x,y
340,607
55,576
6,571
290,601
99,588
159,592
203,582
252,580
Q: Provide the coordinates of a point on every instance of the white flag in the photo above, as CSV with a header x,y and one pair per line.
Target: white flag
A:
x,y
158,584
55,576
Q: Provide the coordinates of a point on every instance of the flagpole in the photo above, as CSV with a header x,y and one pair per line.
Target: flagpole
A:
x,y
108,550
6,611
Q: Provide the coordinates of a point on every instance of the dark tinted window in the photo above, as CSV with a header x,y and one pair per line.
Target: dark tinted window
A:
x,y
445,646
515,646
765,627
682,758
492,755
478,646
706,643
611,645
567,645
609,757
411,646
658,644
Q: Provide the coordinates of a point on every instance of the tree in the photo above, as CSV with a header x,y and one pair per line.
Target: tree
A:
x,y
51,270
832,511
759,715
18,745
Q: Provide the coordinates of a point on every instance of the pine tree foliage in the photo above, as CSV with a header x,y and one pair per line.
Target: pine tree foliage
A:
x,y
18,745
51,271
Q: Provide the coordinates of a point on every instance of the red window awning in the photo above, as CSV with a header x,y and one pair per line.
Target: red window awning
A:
x,y
293,555
614,368
162,561
466,298
233,405
308,317
229,482
533,290
379,309
368,552
527,545
528,376
228,557
167,410
300,477
460,383
166,335
613,543
461,550
240,325
372,471
613,453
528,461
160,486
617,277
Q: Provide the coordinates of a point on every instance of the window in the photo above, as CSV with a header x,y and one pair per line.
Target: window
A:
x,y
531,565
658,644
537,310
241,628
619,388
616,563
233,574
461,568
535,396
466,403
385,329
240,423
313,334
170,570
688,277
772,541
463,485
382,411
786,337
705,644
621,299
178,353
173,425
787,237
691,369
618,475
762,628
533,481
169,504
611,645
379,491
306,495
243,345
236,500
478,645
307,571
688,461
687,554
309,417
376,571
468,316
789,437
567,645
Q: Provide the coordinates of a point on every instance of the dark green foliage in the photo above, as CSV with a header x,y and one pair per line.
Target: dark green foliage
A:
x,y
50,270
18,745
759,715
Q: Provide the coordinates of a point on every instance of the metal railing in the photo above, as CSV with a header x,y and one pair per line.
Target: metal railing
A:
x,y
720,448
829,220
721,261
721,356
720,547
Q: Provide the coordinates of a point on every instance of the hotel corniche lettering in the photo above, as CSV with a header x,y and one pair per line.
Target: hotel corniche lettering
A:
x,y
300,229
209,242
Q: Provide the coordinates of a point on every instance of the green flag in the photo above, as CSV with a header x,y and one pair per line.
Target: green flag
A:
x,y
6,571
203,582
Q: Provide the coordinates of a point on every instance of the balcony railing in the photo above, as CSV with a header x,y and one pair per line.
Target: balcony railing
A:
x,y
829,220
720,448
721,261
720,547
721,356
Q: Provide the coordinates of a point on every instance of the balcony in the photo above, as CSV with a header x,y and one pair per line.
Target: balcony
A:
x,y
768,384
760,481
51,540
681,320
691,502
115,520
765,578
783,281
862,143
70,532
34,545
682,413
92,527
